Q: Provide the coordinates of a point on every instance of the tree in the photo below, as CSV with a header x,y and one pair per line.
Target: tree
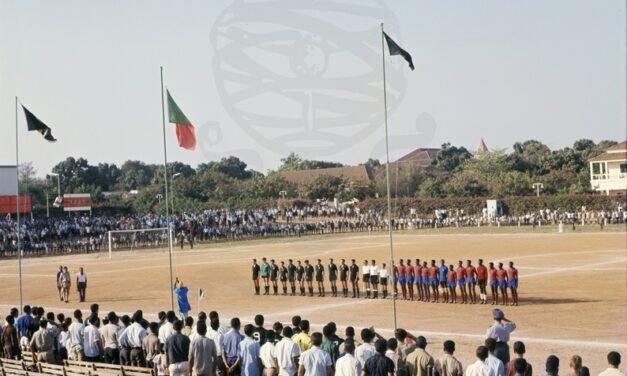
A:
x,y
448,158
137,174
467,183
325,187
487,167
293,162
231,166
530,156
27,173
75,172
372,163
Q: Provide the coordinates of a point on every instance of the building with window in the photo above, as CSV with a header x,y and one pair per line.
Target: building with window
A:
x,y
608,171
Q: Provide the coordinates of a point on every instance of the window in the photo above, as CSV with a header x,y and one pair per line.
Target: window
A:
x,y
596,168
623,168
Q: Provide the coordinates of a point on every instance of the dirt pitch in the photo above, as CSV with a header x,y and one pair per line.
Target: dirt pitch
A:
x,y
572,287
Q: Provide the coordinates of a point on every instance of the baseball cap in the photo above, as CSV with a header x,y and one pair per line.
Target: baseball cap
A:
x,y
498,314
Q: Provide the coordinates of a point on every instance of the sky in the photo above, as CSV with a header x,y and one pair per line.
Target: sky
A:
x,y
261,78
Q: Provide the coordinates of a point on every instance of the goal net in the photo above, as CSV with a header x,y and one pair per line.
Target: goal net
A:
x,y
130,240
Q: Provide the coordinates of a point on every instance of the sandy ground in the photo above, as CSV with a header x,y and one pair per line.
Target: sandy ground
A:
x,y
572,287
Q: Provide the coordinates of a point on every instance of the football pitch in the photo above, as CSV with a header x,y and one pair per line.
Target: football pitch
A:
x,y
573,287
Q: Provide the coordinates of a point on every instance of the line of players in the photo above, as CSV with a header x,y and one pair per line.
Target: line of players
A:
x,y
431,281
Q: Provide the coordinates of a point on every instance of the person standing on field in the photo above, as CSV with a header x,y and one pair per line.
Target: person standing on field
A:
x,y
181,294
81,284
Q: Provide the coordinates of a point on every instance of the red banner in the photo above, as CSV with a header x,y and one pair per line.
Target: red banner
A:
x,y
8,204
77,202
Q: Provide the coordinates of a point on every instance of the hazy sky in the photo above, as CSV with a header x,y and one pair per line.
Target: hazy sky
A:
x,y
260,78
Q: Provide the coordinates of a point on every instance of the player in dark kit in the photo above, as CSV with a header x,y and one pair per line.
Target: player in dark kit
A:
x,y
265,273
320,278
291,276
309,270
354,278
255,270
344,278
274,276
333,277
300,276
283,277
411,277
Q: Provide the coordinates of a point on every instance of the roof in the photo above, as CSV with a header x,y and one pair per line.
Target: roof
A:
x,y
482,147
421,157
618,147
350,173
614,156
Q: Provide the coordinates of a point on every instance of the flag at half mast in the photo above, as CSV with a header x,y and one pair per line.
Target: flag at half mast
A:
x,y
395,49
185,132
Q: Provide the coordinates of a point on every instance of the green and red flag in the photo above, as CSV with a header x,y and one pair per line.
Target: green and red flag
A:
x,y
185,132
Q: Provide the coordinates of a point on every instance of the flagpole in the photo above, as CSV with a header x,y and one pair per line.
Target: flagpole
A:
x,y
167,210
387,165
17,200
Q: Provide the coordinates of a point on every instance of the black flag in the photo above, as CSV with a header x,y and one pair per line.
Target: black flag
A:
x,y
395,49
35,124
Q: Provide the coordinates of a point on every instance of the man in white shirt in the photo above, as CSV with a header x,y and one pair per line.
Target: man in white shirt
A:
x,y
267,355
213,333
479,368
76,333
110,334
287,353
501,331
366,350
81,283
133,337
492,361
166,330
374,280
315,362
613,361
92,342
348,365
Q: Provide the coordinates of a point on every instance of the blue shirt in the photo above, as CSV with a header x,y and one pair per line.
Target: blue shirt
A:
x,y
443,271
181,295
231,344
249,357
23,324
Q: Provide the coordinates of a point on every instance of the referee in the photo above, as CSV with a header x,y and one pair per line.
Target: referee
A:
x,y
255,270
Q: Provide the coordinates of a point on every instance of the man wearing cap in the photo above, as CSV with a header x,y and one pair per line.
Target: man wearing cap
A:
x,y
180,290
500,331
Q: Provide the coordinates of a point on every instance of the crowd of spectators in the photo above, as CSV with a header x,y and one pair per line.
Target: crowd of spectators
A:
x,y
204,346
45,236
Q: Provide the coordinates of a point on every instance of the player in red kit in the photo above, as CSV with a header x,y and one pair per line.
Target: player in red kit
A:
x,y
424,274
402,278
512,276
433,281
501,278
471,281
410,279
493,283
451,277
482,281
461,281
418,278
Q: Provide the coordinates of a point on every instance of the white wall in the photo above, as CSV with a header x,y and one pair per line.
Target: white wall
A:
x,y
7,181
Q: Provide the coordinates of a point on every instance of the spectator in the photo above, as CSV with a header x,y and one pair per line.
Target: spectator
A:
x,y
366,350
302,339
419,361
448,365
132,338
92,344
392,352
278,329
328,345
177,351
613,362
231,348
249,353
379,364
500,331
77,332
577,368
43,342
10,342
267,354
287,353
151,343
166,330
519,353
552,366
202,353
492,361
259,332
520,366
479,368
110,339
315,362
347,364
213,333
187,329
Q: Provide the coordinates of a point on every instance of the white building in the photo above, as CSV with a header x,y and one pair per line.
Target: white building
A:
x,y
608,171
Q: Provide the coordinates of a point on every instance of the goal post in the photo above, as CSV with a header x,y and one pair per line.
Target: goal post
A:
x,y
136,239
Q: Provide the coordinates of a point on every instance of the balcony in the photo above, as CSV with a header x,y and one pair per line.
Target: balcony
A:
x,y
615,176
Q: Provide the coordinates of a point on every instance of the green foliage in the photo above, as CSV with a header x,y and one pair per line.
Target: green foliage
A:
x,y
294,162
449,158
325,187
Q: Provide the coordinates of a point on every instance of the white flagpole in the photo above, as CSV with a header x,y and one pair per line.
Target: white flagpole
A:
x,y
17,200
387,165
167,209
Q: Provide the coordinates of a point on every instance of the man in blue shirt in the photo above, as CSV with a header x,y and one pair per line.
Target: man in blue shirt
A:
x,y
181,295
25,322
231,348
442,272
249,353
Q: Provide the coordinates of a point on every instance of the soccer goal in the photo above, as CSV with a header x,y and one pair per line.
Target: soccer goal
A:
x,y
130,240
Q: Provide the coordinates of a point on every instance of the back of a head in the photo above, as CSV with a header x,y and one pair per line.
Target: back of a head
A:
x,y
400,335
327,331
519,347
576,362
490,343
40,311
449,346
520,365
392,344
235,323
126,320
552,364
93,320
161,315
421,342
189,321
482,353
154,328
215,324
10,320
380,346
201,328
50,316
350,332
296,321
366,335
349,346
94,308
288,332
170,316
78,315
249,329
112,317
27,309
277,327
213,314
259,320
270,336
304,326
43,323
177,325
202,316
613,359
138,316
316,338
